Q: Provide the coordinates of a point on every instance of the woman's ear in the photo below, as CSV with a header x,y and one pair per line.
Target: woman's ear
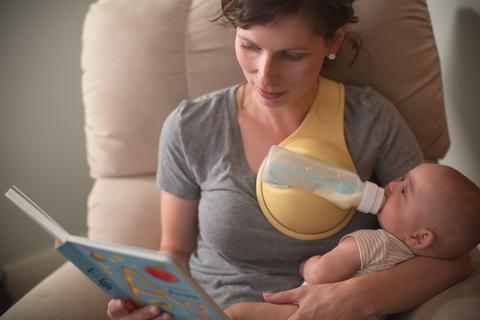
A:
x,y
337,39
421,239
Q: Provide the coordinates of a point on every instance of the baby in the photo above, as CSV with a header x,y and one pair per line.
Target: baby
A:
x,y
432,211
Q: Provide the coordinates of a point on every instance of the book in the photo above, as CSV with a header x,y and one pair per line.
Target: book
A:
x,y
136,275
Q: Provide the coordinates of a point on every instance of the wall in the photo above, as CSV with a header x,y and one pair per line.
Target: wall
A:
x,y
42,147
456,26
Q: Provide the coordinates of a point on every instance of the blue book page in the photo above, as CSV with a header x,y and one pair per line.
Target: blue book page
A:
x,y
142,280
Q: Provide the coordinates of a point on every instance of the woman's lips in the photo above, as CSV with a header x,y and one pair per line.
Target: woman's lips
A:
x,y
270,95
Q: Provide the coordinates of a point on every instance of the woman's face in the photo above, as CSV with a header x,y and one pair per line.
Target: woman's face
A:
x,y
281,61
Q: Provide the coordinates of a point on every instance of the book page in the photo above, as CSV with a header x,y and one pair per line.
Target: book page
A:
x,y
36,213
142,277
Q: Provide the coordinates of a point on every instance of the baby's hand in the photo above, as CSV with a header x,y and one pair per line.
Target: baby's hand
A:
x,y
117,310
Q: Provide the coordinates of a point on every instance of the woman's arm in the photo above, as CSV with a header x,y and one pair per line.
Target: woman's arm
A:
x,y
178,219
411,283
179,226
397,289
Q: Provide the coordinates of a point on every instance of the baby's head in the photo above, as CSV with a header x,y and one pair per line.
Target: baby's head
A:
x,y
434,209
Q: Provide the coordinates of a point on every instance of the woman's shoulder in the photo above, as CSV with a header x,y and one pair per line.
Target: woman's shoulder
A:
x,y
207,111
367,99
203,109
211,101
216,95
379,139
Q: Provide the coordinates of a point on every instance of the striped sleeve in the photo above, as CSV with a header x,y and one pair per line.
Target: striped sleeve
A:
x,y
379,250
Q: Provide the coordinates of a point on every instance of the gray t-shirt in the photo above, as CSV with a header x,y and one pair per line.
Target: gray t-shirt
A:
x,y
239,254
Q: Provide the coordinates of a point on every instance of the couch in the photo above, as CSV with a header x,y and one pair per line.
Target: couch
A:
x,y
141,58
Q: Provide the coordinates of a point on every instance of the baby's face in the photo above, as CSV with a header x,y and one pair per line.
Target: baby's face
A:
x,y
408,199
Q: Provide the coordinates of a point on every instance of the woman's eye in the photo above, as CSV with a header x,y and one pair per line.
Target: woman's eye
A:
x,y
293,56
249,47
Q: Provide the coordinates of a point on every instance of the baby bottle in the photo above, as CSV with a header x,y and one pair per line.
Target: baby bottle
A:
x,y
286,169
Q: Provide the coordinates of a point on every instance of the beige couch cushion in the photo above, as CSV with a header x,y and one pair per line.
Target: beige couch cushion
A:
x,y
401,61
140,58
125,210
133,75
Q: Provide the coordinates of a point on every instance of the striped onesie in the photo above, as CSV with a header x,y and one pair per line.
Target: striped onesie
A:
x,y
379,250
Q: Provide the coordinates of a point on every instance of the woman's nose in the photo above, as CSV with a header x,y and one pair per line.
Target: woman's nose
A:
x,y
266,70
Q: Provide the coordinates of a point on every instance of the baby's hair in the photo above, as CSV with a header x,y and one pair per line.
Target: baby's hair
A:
x,y
457,220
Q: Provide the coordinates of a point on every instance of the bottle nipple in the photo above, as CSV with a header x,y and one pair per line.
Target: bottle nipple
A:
x,y
372,199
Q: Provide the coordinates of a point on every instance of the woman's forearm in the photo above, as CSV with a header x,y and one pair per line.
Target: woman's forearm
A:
x,y
179,227
410,283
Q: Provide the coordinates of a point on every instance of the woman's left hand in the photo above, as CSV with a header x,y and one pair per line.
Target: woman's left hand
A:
x,y
323,301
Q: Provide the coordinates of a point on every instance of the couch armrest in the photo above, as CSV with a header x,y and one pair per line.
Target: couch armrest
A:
x,y
65,294
459,302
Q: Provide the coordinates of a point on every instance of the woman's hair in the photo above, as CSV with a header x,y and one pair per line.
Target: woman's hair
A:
x,y
324,16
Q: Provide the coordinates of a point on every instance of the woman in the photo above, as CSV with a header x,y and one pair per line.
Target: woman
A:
x,y
211,150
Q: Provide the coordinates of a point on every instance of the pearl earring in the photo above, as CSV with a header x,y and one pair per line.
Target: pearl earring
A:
x,y
331,56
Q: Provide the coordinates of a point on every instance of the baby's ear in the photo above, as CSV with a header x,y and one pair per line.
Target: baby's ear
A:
x,y
421,239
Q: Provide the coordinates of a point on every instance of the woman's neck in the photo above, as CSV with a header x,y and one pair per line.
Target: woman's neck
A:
x,y
284,118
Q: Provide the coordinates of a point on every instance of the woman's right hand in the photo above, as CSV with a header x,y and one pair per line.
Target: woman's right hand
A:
x,y
116,310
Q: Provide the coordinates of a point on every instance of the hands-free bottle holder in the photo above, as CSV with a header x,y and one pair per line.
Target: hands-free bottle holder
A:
x,y
301,214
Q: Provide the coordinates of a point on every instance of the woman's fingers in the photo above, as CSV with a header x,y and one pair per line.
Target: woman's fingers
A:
x,y
116,311
145,313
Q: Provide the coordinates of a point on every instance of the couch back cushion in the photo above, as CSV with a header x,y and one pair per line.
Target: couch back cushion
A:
x,y
141,58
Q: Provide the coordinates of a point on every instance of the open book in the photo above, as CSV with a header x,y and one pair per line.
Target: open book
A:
x,y
136,275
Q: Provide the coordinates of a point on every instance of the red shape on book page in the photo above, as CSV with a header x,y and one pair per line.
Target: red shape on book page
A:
x,y
160,274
